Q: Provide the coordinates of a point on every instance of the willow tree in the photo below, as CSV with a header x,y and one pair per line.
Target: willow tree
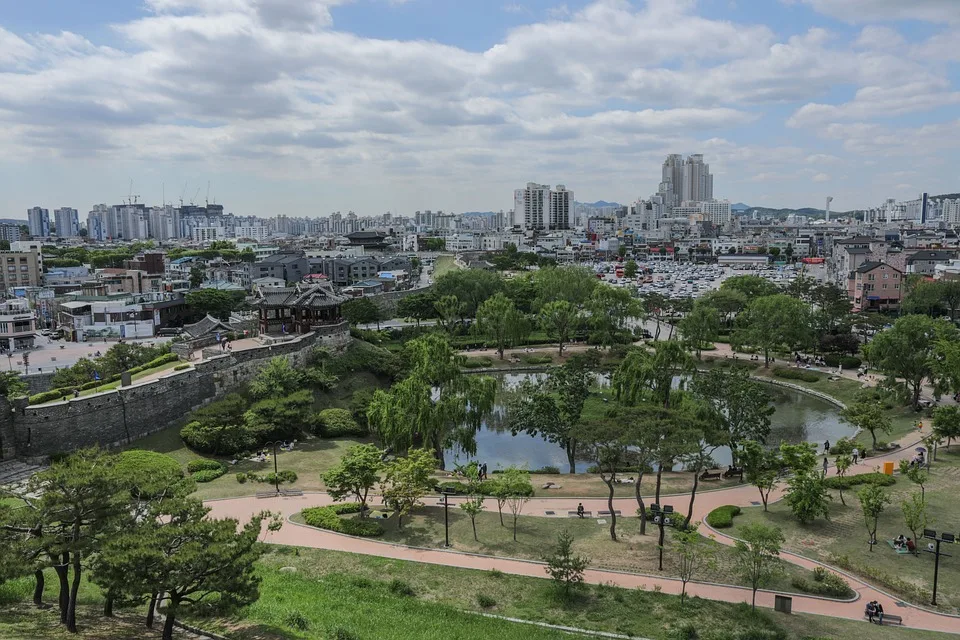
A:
x,y
648,375
436,405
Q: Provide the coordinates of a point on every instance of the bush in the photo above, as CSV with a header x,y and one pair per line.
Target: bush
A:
x,y
547,470
477,363
147,472
485,601
848,362
343,634
843,446
803,375
337,423
181,367
401,588
208,475
879,479
284,476
825,584
49,396
329,519
296,620
242,478
722,517
203,464
536,359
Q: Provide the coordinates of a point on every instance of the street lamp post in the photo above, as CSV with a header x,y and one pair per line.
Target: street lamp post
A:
x,y
661,517
447,491
930,534
276,473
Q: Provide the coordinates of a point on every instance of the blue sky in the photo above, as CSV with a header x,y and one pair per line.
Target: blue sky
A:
x,y
305,107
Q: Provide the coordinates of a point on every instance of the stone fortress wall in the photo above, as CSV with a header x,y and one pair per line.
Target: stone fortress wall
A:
x,y
122,415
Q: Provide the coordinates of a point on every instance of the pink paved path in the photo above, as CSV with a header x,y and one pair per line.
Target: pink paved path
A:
x,y
743,495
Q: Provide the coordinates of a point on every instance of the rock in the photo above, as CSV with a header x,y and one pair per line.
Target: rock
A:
x,y
288,569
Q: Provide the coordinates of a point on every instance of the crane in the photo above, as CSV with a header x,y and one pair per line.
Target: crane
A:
x,y
208,193
195,196
131,197
183,192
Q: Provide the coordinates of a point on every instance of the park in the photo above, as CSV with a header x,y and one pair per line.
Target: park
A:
x,y
436,473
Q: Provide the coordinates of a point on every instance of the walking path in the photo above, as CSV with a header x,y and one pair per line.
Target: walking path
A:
x,y
743,495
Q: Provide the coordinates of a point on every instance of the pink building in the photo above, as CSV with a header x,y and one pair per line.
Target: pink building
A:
x,y
875,286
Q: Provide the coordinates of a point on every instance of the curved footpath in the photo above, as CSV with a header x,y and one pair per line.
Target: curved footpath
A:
x,y
743,495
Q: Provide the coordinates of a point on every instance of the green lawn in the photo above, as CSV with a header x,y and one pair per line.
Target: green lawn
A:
x,y
325,589
843,540
442,265
633,552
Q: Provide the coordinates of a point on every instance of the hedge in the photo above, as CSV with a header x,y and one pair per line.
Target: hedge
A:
x,y
824,583
722,517
797,374
477,363
208,475
462,488
62,392
337,423
879,479
329,518
271,478
848,362
203,464
537,359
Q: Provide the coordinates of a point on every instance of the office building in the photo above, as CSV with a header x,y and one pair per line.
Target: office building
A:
x,y
38,220
67,222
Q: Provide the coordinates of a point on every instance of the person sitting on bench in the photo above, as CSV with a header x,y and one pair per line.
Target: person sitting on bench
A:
x,y
580,510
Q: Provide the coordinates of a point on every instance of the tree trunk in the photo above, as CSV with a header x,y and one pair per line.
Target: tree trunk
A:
x,y
917,387
766,365
514,528
500,510
74,590
659,479
108,606
438,453
693,496
473,521
64,598
152,610
613,514
38,588
168,627
643,508
572,456
500,351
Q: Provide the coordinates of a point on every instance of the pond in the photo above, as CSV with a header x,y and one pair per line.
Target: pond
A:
x,y
798,417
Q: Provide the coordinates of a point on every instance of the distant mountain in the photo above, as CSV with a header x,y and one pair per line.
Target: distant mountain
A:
x,y
477,214
12,221
600,204
947,196
739,207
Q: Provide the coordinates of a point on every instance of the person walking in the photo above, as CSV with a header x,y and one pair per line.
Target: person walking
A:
x,y
855,454
826,446
825,465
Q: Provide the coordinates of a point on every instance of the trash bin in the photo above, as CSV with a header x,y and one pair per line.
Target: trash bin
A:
x,y
888,467
783,604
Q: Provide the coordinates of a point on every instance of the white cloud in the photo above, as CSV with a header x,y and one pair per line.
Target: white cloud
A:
x,y
821,177
941,11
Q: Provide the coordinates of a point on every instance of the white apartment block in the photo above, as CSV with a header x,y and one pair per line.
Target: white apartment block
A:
x,y
538,207
67,222
951,211
208,234
38,221
716,211
258,233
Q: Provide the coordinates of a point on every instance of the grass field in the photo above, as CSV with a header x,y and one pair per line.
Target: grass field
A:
x,y
442,265
845,536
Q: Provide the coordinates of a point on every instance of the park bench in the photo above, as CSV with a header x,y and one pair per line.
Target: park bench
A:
x,y
573,514
266,494
733,471
707,475
607,513
887,617
291,492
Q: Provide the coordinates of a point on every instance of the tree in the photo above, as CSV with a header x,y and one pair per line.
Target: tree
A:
x,y
564,566
869,416
500,321
752,287
830,309
645,375
808,497
279,418
4,245
915,474
945,368
552,409
758,555
473,506
361,311
275,380
419,306
471,286
946,423
607,441
559,319
762,467
516,491
435,404
357,473
630,269
214,302
694,552
700,327
12,385
571,284
843,463
197,275
647,427
610,309
406,480
448,309
873,501
933,298
771,321
915,516
743,406
905,351
727,302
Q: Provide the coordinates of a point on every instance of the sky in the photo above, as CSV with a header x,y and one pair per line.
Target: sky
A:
x,y
306,107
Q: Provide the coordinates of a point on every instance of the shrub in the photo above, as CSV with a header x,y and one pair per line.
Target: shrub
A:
x,y
843,446
537,359
208,475
49,396
797,374
477,363
286,475
344,634
147,472
242,478
547,470
218,439
203,464
181,367
879,479
401,588
848,362
337,423
296,620
485,601
328,518
825,584
722,517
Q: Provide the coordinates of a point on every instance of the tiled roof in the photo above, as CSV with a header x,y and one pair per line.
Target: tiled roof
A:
x,y
318,296
205,326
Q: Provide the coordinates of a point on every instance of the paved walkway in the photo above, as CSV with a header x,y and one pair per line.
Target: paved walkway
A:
x,y
743,495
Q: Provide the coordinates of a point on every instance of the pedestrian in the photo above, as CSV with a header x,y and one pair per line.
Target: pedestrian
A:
x,y
879,609
825,464
855,454
580,510
826,447
871,609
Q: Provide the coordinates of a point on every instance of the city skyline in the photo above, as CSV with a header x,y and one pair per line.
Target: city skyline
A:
x,y
382,105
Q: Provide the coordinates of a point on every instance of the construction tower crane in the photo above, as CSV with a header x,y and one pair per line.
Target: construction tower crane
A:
x,y
131,197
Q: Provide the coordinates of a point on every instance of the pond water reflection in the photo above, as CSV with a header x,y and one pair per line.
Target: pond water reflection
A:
x,y
798,417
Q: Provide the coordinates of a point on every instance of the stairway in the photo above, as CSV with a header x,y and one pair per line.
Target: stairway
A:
x,y
14,471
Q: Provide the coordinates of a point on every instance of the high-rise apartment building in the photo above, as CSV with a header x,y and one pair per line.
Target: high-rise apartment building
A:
x,y
67,221
951,211
38,220
671,182
697,179
538,207
716,211
97,223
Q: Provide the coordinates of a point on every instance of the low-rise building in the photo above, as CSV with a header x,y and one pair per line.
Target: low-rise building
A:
x,y
294,310
875,286
18,325
20,269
